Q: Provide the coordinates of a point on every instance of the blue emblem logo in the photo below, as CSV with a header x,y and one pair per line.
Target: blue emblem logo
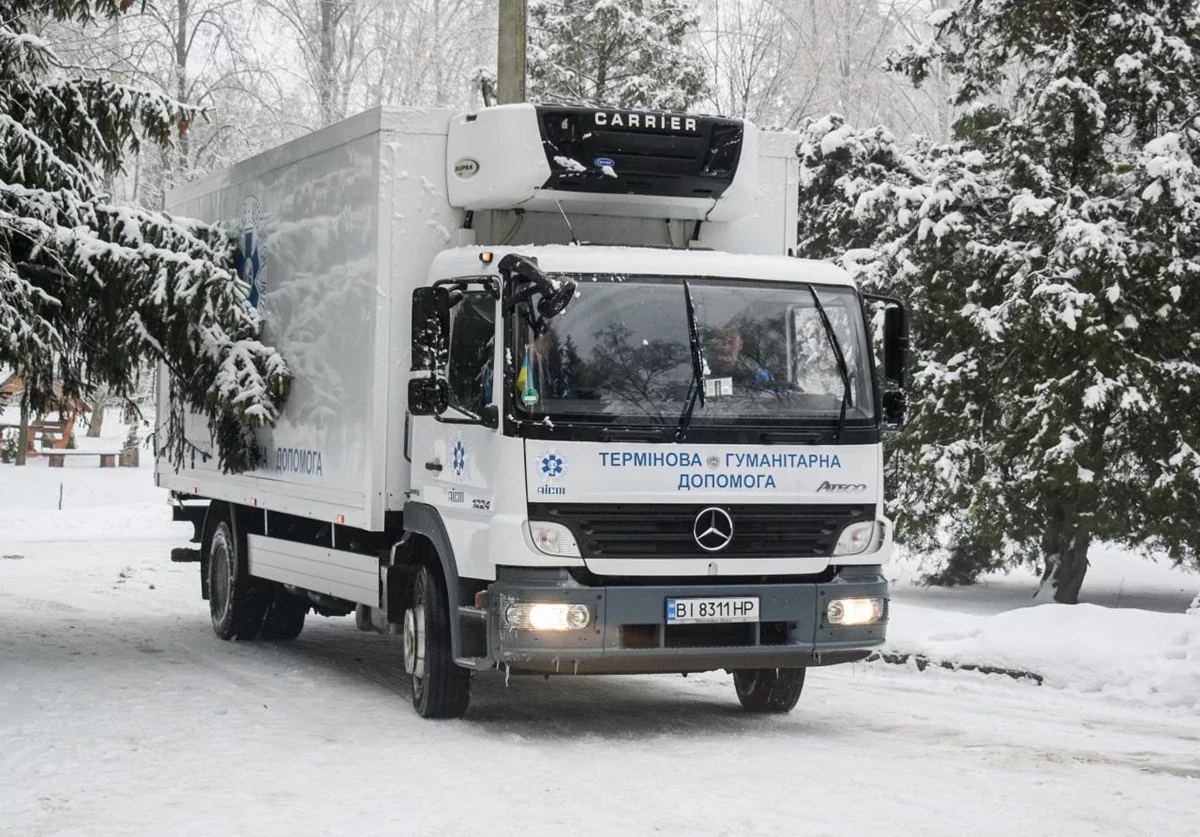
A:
x,y
249,263
458,459
553,465
601,162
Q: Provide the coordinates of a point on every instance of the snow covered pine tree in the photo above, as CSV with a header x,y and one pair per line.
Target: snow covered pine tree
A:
x,y
88,288
1051,257
614,53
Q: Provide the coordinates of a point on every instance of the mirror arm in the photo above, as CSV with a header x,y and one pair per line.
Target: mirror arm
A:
x,y
526,293
513,266
490,283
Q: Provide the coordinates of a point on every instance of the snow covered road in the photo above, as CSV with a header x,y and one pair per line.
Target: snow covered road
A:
x,y
121,713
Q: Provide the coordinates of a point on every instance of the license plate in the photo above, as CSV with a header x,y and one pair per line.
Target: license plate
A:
x,y
712,611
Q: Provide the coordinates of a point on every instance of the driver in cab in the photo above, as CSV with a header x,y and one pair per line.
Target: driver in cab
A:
x,y
726,359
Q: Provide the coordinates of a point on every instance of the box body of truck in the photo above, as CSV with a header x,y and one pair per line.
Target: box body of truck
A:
x,y
550,526
336,229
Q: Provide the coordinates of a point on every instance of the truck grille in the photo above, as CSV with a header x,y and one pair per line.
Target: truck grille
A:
x,y
665,531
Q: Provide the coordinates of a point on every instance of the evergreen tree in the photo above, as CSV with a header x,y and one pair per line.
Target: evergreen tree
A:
x,y
618,53
1051,256
88,288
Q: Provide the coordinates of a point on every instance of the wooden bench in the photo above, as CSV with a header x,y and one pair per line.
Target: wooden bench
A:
x,y
52,434
108,459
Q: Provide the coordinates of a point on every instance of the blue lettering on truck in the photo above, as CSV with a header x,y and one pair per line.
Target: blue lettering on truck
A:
x,y
754,460
297,461
690,459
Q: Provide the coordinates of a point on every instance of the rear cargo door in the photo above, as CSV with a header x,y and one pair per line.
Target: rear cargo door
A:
x,y
454,455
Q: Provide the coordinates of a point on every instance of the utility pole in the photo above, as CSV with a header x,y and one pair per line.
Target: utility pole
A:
x,y
510,53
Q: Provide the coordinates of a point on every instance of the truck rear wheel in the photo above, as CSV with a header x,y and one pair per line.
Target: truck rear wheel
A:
x,y
440,689
285,615
769,689
237,605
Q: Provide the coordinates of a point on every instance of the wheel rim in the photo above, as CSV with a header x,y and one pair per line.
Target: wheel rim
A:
x,y
414,643
220,579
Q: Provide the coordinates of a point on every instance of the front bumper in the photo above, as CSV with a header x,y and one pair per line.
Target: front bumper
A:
x,y
629,635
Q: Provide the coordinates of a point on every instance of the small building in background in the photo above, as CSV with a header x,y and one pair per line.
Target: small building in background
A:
x,y
51,429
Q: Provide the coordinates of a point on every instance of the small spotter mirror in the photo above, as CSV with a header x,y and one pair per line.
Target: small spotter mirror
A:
x,y
526,281
895,409
428,396
558,300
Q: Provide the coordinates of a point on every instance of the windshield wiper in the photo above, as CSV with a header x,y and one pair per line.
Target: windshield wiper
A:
x,y
843,370
696,387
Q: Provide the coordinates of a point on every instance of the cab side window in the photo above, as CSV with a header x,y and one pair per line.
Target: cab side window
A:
x,y
472,342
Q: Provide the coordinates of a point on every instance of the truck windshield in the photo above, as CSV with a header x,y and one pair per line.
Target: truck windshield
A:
x,y
620,353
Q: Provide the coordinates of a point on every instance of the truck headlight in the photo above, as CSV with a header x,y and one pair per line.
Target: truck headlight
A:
x,y
553,539
547,616
857,538
864,611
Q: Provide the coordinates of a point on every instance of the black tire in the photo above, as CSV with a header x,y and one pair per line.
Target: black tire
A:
x,y
440,689
769,689
236,602
285,615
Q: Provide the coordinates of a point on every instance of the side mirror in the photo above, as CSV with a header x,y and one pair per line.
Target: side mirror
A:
x,y
557,302
430,329
490,416
895,345
428,396
895,409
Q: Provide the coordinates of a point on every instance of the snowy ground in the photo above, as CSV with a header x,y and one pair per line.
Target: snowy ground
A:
x,y
121,713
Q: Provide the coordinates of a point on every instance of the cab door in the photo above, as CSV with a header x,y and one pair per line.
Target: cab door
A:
x,y
454,454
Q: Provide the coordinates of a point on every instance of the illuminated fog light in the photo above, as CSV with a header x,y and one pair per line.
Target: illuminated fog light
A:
x,y
847,612
547,616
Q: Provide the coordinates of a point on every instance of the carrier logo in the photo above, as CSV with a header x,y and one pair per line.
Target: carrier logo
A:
x,y
713,529
652,121
841,487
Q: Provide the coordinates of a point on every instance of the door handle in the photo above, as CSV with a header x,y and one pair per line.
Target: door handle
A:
x,y
435,465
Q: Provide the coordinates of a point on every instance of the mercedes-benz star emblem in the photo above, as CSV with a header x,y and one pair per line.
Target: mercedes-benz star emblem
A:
x,y
713,529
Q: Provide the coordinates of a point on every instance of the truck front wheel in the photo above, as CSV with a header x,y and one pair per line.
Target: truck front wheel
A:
x,y
769,689
235,602
440,688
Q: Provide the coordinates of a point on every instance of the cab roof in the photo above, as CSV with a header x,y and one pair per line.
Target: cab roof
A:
x,y
558,258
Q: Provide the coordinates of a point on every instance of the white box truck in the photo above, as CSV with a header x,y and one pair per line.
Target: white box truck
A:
x,y
564,403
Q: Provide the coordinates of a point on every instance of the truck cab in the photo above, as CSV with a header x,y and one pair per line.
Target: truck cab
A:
x,y
638,435
636,516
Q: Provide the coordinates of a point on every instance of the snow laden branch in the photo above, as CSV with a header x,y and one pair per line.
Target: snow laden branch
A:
x,y
88,289
1051,258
